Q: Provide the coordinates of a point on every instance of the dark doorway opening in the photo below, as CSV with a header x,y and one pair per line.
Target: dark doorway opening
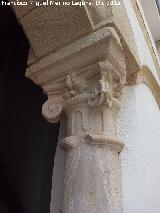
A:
x,y
27,142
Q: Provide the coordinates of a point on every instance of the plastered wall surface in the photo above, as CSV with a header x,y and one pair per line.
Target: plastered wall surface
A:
x,y
142,48
138,125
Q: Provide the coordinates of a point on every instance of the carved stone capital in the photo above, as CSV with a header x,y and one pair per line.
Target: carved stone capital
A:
x,y
91,70
104,90
85,81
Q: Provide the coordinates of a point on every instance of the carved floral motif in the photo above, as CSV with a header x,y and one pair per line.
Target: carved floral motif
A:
x,y
104,91
100,94
75,85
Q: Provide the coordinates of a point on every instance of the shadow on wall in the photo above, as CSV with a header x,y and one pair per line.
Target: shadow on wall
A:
x,y
28,142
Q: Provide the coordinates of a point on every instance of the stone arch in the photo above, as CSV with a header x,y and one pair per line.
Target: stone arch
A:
x,y
145,75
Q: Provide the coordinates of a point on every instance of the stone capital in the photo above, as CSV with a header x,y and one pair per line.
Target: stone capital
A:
x,y
91,70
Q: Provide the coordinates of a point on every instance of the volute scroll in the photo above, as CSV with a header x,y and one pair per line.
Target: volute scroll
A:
x,y
51,110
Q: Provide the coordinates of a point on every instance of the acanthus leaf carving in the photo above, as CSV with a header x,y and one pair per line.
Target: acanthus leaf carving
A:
x,y
75,84
109,89
105,89
100,94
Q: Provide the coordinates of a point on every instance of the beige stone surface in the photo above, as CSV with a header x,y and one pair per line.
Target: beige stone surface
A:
x,y
124,26
92,178
100,45
22,10
99,14
50,27
124,29
31,56
92,175
116,16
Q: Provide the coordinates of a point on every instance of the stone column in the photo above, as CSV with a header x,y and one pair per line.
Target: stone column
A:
x,y
80,56
84,81
92,177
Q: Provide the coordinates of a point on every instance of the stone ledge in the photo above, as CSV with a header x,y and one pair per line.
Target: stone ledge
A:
x,y
78,55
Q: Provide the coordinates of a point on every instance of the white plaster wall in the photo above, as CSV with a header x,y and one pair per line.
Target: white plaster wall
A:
x,y
139,128
151,16
142,48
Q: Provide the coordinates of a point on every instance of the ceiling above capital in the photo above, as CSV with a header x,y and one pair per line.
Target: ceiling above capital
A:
x,y
50,28
81,57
